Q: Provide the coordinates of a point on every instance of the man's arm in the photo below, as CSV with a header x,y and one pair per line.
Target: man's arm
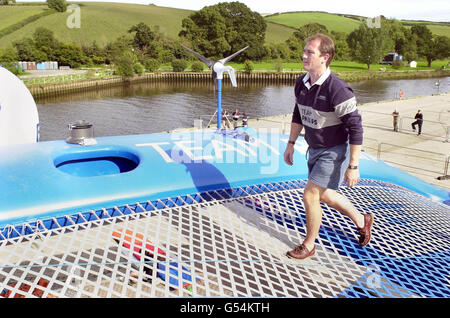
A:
x,y
296,129
352,175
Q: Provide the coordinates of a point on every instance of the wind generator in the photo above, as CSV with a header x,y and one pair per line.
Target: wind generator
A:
x,y
218,68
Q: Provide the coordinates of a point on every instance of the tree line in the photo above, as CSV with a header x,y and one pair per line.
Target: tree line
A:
x,y
220,30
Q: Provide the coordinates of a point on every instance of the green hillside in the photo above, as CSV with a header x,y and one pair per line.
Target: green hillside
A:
x,y
333,22
438,28
344,23
102,22
13,14
276,33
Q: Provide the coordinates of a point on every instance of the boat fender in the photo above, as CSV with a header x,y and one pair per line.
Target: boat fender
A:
x,y
19,120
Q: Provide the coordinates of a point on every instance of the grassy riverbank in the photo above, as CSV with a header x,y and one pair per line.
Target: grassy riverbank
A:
x,y
337,66
348,71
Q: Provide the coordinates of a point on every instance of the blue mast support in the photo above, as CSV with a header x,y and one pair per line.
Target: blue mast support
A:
x,y
219,104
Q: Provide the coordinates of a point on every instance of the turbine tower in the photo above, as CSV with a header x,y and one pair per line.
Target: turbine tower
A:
x,y
218,68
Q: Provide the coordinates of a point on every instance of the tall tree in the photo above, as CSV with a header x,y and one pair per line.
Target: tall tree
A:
x,y
309,29
429,47
222,29
296,41
70,54
45,42
441,47
424,40
143,37
6,2
58,5
27,51
407,47
396,32
8,59
146,41
403,41
368,45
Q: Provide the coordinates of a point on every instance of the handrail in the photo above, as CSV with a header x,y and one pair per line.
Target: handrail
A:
x,y
378,147
446,156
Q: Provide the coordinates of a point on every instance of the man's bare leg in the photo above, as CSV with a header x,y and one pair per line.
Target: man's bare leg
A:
x,y
341,203
311,199
312,196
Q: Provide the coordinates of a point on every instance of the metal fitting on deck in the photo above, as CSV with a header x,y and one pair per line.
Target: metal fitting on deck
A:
x,y
81,133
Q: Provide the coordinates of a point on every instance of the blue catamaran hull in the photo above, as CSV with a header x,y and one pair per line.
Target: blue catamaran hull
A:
x,y
55,178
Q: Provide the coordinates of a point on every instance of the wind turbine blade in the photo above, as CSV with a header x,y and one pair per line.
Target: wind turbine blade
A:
x,y
228,58
214,79
205,60
232,76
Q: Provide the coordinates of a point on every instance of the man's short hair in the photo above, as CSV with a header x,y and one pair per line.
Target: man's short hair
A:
x,y
326,45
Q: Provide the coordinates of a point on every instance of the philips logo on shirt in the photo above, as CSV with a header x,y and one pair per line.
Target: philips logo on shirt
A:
x,y
307,117
317,119
321,97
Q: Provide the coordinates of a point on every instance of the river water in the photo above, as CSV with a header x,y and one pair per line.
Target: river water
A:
x,y
161,106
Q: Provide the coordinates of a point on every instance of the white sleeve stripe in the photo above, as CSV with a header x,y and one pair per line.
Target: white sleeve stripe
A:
x,y
346,107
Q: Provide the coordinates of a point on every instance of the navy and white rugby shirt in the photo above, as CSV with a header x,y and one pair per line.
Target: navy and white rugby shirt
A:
x,y
327,110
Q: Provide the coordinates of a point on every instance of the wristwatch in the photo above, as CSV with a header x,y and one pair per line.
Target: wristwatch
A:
x,y
291,142
352,167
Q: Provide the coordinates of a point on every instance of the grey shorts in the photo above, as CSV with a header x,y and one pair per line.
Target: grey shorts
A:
x,y
327,166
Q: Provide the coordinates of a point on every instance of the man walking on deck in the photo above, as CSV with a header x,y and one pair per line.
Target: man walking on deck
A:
x,y
419,121
326,108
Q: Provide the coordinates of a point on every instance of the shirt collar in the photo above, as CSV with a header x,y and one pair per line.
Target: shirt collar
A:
x,y
320,81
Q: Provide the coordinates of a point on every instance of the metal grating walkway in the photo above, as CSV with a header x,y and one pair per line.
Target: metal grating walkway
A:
x,y
232,243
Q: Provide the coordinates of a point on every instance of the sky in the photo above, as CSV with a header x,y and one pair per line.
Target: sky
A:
x,y
430,10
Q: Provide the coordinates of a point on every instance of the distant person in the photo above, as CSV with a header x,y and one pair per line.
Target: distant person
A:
x,y
225,121
235,117
395,115
326,107
244,120
401,94
419,121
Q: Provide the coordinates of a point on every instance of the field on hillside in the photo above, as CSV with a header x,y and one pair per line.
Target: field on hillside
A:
x,y
440,29
435,28
13,14
276,33
339,23
103,22
332,22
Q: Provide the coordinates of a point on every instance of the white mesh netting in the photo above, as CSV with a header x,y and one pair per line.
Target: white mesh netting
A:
x,y
232,243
